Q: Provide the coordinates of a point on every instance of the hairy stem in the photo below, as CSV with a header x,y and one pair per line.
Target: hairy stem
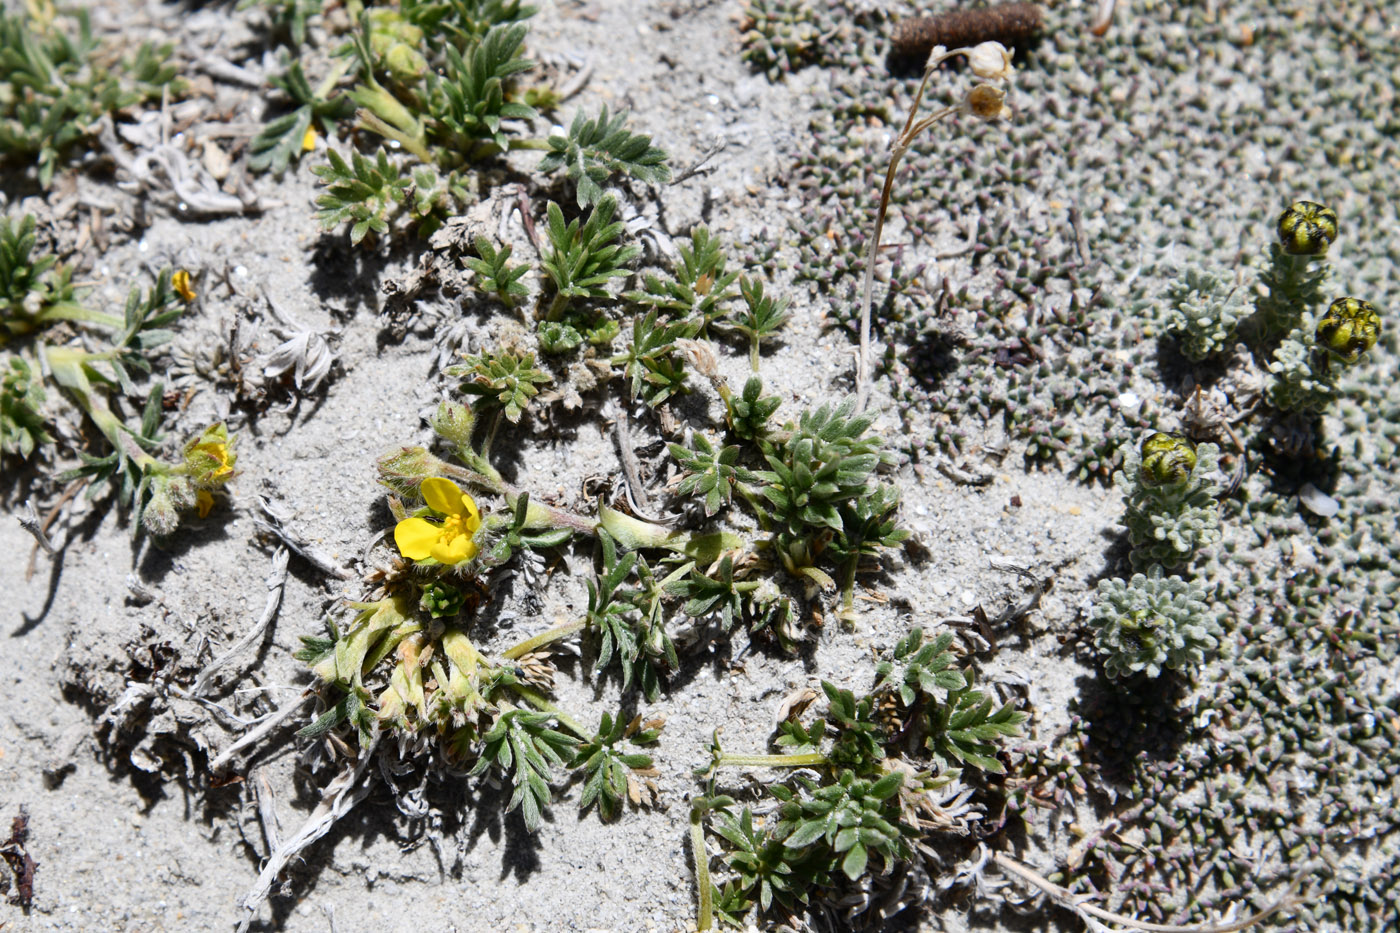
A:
x,y
702,872
808,760
558,633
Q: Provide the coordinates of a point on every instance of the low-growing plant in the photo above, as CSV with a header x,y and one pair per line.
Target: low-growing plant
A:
x,y
1169,489
100,384
1150,623
870,801
57,80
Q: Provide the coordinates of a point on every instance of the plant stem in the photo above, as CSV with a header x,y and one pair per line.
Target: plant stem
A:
x,y
557,633
906,138
72,311
702,872
809,760
556,307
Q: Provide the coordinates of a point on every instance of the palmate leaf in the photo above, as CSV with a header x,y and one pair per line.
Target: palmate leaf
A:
x,y
282,139
461,21
762,316
494,274
506,377
847,819
522,744
699,284
596,149
649,362
607,771
710,474
919,668
965,728
363,192
584,257
470,101
706,595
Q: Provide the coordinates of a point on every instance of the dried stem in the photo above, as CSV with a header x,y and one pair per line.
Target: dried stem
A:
x,y
906,138
1073,902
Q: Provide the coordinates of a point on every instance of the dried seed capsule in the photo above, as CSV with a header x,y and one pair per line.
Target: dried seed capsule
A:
x,y
1307,228
1167,460
1011,24
1350,328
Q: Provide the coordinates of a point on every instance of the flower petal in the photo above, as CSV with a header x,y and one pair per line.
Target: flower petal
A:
x,y
443,496
472,515
416,538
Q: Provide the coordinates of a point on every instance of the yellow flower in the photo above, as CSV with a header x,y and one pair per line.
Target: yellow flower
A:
x,y
180,281
450,542
209,458
204,502
308,140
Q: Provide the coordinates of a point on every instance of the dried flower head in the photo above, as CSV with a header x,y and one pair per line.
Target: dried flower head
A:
x,y
987,102
990,61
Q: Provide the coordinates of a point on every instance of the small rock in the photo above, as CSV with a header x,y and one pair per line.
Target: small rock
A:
x,y
1318,502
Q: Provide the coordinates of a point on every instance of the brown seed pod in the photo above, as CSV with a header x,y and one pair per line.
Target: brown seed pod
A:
x,y
1011,24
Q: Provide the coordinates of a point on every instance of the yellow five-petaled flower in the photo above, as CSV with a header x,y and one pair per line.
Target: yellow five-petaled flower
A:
x,y
450,542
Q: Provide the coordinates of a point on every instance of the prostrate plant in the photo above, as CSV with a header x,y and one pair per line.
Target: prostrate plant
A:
x,y
440,82
584,256
1152,622
886,778
1169,492
507,378
596,150
58,81
699,286
1203,311
407,663
36,293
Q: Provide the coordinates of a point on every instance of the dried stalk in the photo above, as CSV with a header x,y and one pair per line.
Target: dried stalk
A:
x,y
276,579
912,130
1073,902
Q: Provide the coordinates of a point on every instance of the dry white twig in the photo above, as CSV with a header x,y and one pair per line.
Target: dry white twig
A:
x,y
276,525
264,727
1089,913
340,797
276,579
